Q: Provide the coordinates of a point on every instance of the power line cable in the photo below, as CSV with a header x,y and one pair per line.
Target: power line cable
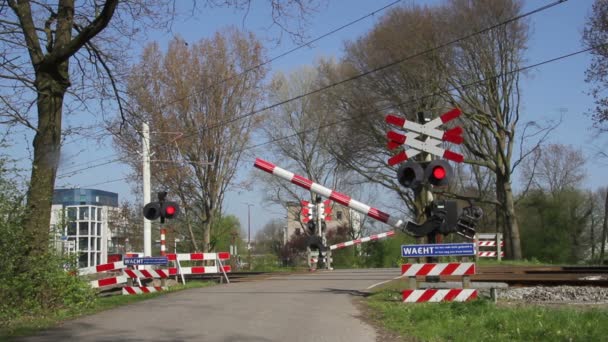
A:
x,y
380,68
524,68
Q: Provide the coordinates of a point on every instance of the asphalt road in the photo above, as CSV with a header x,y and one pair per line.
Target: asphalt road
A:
x,y
312,307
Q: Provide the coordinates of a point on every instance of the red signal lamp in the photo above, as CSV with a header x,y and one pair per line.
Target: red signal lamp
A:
x,y
170,210
439,172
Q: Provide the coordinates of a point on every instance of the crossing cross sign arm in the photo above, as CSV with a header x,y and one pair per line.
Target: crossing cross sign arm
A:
x,y
430,144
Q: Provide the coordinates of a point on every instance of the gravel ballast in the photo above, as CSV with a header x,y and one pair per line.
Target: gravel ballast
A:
x,y
556,294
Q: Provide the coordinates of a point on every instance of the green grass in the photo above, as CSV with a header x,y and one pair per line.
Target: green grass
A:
x,y
28,325
482,320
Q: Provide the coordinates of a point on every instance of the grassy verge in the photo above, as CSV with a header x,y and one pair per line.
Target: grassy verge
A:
x,y
27,325
482,320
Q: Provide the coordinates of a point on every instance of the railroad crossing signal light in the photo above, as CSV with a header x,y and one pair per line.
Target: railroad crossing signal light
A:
x,y
169,210
436,173
161,208
410,174
152,211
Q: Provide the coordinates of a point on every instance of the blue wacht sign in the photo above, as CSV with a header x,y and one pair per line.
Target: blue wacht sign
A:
x,y
438,249
146,261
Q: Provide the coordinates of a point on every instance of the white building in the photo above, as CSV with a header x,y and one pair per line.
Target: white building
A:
x,y
79,223
340,216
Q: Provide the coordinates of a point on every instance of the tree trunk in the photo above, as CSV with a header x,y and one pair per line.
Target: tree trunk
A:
x,y
51,86
604,230
511,225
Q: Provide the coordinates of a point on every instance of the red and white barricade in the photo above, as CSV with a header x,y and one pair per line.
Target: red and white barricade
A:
x,y
490,246
101,269
439,295
135,290
217,267
413,295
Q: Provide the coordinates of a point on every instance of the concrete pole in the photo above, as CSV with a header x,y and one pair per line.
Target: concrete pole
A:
x,y
147,190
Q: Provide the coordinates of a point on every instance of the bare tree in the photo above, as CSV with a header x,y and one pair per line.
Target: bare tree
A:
x,y
299,131
595,35
198,164
554,168
359,107
76,49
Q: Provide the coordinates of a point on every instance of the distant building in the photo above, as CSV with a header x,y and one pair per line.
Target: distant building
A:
x,y
79,223
340,216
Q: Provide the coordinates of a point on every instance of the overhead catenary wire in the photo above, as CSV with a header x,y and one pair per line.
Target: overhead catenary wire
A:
x,y
377,69
471,84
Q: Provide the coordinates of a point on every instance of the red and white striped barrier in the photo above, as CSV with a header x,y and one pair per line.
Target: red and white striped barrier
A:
x,y
362,240
145,274
113,266
489,254
443,269
331,194
134,290
489,243
439,295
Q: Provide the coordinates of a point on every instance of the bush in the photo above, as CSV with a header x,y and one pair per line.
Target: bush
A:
x,y
32,285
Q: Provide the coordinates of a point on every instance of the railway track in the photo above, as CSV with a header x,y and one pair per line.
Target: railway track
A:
x,y
542,275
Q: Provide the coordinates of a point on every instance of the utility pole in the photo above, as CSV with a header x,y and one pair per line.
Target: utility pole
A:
x,y
147,196
249,205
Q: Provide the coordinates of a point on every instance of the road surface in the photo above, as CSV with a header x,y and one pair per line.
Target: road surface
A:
x,y
315,307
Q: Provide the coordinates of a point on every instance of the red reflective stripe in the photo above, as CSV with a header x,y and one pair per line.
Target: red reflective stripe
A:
x,y
196,270
171,257
173,271
130,290
378,215
395,120
227,268
425,269
301,181
451,294
391,145
426,295
398,158
197,256
391,233
447,154
405,267
223,255
449,269
340,198
453,114
107,281
407,293
105,267
264,165
396,137
470,270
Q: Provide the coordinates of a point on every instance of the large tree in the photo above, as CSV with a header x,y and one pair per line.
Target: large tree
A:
x,y
195,98
595,35
52,49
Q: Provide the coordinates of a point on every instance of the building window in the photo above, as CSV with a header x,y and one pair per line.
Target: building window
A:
x,y
338,215
84,213
72,213
83,228
72,228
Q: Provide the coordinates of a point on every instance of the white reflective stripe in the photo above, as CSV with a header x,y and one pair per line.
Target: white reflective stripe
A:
x,y
320,189
424,129
282,173
414,296
358,206
463,267
464,295
209,256
430,146
437,269
413,270
436,122
438,296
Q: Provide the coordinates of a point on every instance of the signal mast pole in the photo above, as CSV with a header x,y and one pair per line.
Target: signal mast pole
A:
x,y
147,195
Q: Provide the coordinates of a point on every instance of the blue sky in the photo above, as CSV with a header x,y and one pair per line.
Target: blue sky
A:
x,y
547,91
